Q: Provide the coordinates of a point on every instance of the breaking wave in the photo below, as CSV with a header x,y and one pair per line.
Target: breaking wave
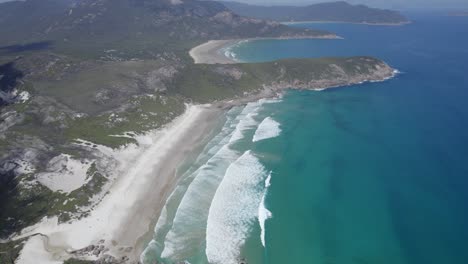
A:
x,y
166,242
263,213
234,209
220,197
190,219
269,128
229,51
246,120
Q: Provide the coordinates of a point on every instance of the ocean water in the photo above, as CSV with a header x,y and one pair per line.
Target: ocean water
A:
x,y
367,174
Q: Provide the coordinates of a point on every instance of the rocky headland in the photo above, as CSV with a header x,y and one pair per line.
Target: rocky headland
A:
x,y
92,91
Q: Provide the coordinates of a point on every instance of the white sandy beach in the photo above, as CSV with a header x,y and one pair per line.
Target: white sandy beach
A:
x,y
122,222
212,52
124,219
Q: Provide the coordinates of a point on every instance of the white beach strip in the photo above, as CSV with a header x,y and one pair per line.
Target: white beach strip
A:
x,y
211,52
124,217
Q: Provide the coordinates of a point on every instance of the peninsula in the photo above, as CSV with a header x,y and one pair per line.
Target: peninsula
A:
x,y
101,103
341,12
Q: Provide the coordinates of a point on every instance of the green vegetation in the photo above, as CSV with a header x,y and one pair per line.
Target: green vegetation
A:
x,y
10,251
143,29
106,70
142,114
143,110
24,204
205,83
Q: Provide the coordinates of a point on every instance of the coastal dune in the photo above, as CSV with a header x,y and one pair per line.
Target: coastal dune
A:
x,y
120,225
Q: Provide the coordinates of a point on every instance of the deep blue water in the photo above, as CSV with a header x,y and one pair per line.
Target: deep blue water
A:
x,y
368,174
374,173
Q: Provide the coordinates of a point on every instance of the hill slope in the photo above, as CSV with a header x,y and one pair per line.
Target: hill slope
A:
x,y
334,11
105,71
138,28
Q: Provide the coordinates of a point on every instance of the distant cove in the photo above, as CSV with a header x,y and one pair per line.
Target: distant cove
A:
x,y
349,174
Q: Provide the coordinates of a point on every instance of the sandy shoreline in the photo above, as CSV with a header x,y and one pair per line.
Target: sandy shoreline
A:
x,y
122,223
211,52
343,22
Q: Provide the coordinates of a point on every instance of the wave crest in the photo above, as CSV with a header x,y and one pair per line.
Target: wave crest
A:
x,y
269,128
263,213
234,209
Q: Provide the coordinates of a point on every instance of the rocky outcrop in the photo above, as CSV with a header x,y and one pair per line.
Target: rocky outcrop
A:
x,y
10,76
8,120
158,78
337,76
232,72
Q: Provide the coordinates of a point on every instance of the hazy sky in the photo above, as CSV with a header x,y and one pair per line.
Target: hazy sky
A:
x,y
396,4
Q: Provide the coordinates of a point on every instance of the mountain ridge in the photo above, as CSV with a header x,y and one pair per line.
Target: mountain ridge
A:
x,y
83,76
339,11
90,26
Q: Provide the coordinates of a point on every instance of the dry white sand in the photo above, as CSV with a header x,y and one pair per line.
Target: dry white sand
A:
x,y
211,52
124,218
33,252
64,174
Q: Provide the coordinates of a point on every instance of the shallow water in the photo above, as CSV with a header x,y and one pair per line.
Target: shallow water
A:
x,y
373,173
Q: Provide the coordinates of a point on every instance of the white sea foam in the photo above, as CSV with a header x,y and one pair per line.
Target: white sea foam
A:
x,y
183,234
190,220
247,120
269,128
279,99
230,54
229,51
234,209
397,72
263,213
186,228
268,181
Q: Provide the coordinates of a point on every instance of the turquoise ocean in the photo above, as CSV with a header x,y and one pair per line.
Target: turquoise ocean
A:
x,y
368,174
